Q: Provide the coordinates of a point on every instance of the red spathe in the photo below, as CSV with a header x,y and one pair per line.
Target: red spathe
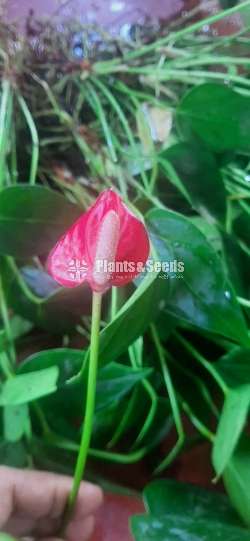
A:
x,y
73,259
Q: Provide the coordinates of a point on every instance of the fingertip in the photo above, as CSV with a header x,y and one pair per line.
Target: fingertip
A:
x,y
81,530
90,498
89,528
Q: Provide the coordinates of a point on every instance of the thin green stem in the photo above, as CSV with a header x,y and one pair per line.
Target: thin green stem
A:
x,y
6,94
103,119
34,138
6,322
173,37
5,365
244,302
118,458
152,397
206,364
114,302
14,167
173,402
121,115
90,404
198,424
128,413
22,284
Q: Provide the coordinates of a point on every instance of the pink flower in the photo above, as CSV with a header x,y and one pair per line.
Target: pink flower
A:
x,y
107,246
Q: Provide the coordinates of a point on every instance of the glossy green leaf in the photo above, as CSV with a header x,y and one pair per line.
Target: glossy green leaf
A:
x,y
237,480
231,424
234,367
182,528
201,295
16,422
68,362
218,115
32,218
115,381
27,387
133,318
179,512
197,169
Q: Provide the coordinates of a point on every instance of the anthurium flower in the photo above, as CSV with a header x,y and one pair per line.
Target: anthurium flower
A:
x,y
108,245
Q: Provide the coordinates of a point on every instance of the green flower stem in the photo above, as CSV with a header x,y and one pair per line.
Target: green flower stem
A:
x,y
90,405
114,302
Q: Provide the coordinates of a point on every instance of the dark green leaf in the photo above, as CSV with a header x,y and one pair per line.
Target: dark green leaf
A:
x,y
179,498
32,218
133,318
231,424
234,367
178,512
202,296
198,171
115,381
218,115
67,360
182,528
237,480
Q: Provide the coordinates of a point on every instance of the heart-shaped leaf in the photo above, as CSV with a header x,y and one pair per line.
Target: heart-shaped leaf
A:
x,y
68,362
32,218
198,171
218,115
178,512
202,296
